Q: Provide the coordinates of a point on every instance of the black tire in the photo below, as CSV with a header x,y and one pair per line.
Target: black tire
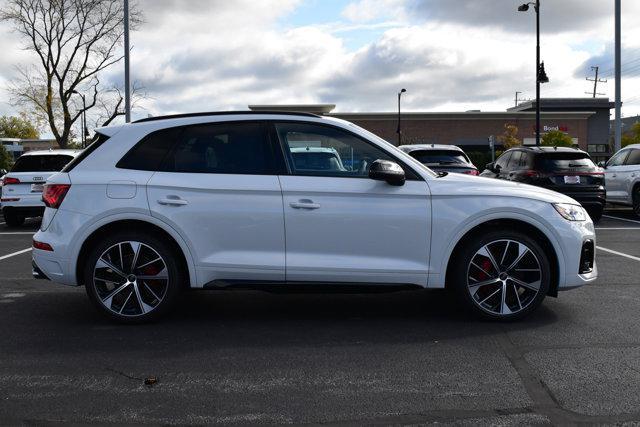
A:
x,y
636,200
596,213
462,275
144,296
12,219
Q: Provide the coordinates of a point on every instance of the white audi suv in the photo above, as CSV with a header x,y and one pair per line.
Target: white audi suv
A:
x,y
289,200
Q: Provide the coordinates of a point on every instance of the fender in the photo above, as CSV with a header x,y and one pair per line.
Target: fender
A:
x,y
121,216
531,218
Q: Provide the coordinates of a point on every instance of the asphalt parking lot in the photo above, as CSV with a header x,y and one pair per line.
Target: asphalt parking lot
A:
x,y
251,357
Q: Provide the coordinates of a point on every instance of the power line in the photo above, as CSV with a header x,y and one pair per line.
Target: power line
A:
x,y
595,81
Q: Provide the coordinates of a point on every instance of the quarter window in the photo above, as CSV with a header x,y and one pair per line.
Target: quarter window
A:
x,y
149,153
503,160
327,151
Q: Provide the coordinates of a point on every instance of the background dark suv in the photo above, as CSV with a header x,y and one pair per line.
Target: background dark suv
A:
x,y
566,170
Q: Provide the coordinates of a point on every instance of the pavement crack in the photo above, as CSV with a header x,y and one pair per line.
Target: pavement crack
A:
x,y
123,374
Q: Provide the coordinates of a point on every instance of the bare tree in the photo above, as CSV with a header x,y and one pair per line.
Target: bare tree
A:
x,y
74,40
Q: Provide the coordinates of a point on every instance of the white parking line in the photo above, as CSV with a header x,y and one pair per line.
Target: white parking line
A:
x,y
621,219
611,251
14,254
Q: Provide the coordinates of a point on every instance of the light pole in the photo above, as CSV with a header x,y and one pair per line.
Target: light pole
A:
x,y
399,130
83,119
541,75
127,85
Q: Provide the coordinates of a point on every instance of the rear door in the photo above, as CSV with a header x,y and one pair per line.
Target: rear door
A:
x,y
342,226
219,188
629,173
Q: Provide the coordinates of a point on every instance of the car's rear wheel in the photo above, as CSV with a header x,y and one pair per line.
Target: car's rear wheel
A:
x,y
12,219
501,275
132,277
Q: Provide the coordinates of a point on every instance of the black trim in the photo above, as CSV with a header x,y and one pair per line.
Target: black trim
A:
x,y
274,286
224,113
411,175
37,273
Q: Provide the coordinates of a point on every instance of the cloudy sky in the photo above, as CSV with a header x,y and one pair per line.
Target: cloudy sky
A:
x,y
450,55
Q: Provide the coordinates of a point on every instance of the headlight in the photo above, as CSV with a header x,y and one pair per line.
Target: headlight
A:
x,y
571,212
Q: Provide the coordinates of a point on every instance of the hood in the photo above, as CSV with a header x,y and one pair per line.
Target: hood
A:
x,y
455,184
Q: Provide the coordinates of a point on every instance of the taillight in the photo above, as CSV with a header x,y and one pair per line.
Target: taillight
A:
x,y
9,180
531,174
472,172
53,194
42,246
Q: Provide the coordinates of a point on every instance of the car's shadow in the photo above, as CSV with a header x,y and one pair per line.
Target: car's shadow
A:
x,y
223,319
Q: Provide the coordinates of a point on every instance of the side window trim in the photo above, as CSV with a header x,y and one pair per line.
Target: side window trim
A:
x,y
412,175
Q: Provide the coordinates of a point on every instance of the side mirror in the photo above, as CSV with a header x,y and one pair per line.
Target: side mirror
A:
x,y
490,166
602,164
385,170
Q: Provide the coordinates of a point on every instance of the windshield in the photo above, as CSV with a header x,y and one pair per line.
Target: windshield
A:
x,y
565,161
41,163
439,157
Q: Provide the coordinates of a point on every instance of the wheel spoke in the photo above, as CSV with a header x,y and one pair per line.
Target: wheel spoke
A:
x,y
102,263
487,298
473,288
534,286
481,269
148,263
504,254
109,299
143,306
522,251
517,295
135,246
125,303
504,308
162,274
121,257
485,252
152,293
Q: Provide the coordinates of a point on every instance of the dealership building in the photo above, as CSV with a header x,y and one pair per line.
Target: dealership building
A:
x,y
585,120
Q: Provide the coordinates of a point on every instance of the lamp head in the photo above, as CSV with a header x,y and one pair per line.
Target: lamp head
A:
x,y
542,74
523,7
403,91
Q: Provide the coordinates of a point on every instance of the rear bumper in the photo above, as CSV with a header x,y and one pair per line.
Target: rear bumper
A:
x,y
589,199
36,272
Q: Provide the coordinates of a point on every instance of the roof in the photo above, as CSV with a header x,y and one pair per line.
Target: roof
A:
x,y
549,149
568,104
52,152
463,115
415,147
306,108
223,113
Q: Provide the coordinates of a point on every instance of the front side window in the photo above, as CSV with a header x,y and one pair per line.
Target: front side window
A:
x,y
222,148
618,159
326,151
503,160
514,161
634,157
41,163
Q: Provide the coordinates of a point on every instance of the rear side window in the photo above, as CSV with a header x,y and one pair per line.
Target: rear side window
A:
x,y
41,163
222,148
565,161
514,161
439,157
148,154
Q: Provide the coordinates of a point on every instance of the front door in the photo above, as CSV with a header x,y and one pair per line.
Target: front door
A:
x,y
614,177
342,226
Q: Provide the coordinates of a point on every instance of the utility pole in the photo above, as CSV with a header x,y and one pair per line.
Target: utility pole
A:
x,y
595,81
127,85
618,61
517,93
399,130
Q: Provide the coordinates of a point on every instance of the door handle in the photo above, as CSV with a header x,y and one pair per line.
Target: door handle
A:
x,y
173,201
633,175
613,175
304,204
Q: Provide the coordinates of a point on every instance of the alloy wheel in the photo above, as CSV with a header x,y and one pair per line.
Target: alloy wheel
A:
x,y
504,277
130,278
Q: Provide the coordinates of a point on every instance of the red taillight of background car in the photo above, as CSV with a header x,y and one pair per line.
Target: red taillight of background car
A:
x,y
42,246
9,180
531,174
472,172
53,194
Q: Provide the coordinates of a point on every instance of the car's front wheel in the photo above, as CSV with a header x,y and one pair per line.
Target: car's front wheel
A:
x,y
636,200
501,275
132,277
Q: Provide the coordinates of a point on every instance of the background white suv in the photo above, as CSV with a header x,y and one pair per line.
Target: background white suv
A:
x,y
622,177
228,200
22,186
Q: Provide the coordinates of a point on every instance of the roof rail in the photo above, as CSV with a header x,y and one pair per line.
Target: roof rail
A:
x,y
225,113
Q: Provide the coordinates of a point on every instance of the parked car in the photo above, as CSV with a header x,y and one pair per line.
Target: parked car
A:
x,y
622,177
22,185
215,201
441,158
568,171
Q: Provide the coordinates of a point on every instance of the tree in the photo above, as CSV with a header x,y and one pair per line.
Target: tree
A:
x,y
17,127
73,41
632,136
5,159
556,138
509,138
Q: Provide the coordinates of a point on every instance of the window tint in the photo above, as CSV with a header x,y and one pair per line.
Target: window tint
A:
x,y
514,161
526,160
503,160
41,163
149,153
565,161
634,157
327,151
439,157
618,159
97,141
226,148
